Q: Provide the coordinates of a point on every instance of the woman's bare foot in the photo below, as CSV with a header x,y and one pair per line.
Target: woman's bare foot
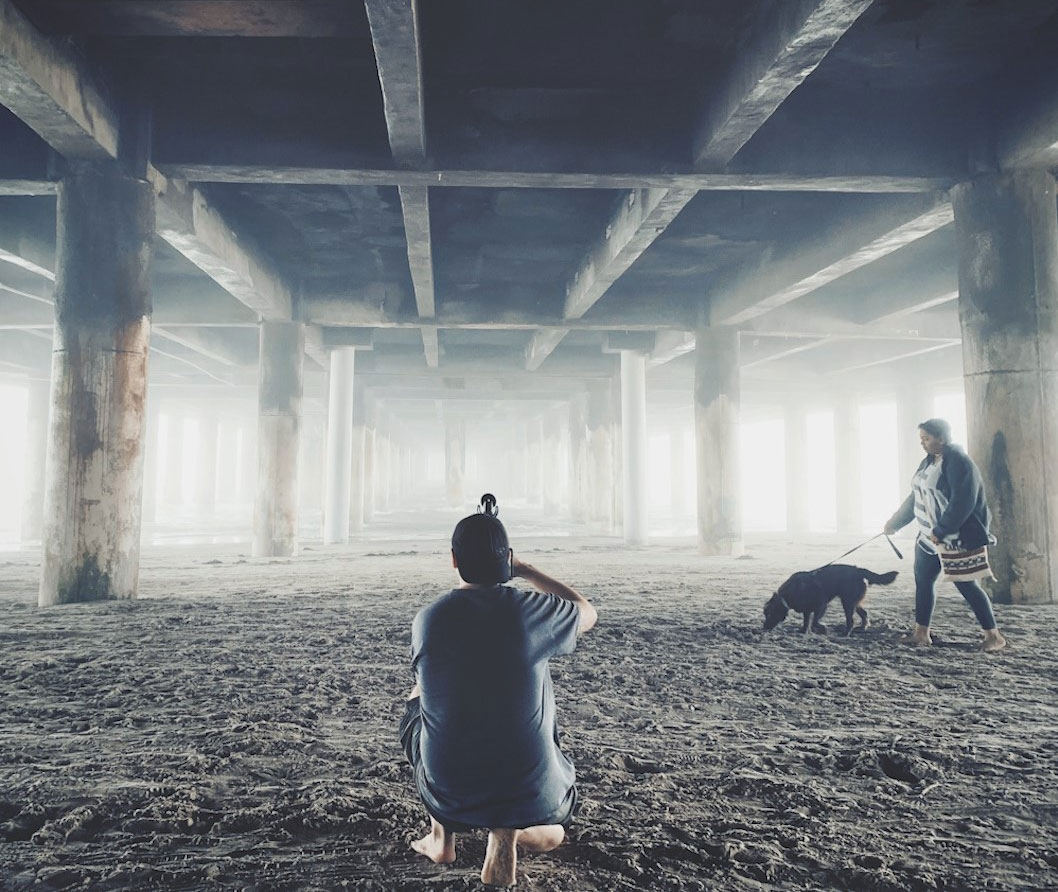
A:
x,y
438,845
994,640
543,838
918,638
501,858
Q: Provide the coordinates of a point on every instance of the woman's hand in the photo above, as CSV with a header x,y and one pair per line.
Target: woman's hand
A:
x,y
889,529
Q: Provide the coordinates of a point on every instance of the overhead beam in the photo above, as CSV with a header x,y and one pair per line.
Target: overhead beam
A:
x,y
784,350
207,342
931,325
670,345
786,43
764,181
897,356
849,244
27,187
45,85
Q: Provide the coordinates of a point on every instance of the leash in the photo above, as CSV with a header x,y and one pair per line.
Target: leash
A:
x,y
858,547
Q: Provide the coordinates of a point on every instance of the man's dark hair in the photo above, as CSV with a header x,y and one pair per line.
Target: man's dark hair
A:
x,y
481,549
937,427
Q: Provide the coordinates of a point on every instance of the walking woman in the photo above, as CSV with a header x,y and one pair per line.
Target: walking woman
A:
x,y
947,502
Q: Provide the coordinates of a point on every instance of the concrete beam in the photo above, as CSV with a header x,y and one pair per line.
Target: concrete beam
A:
x,y
845,246
209,343
431,345
786,43
670,345
45,85
765,181
16,186
783,350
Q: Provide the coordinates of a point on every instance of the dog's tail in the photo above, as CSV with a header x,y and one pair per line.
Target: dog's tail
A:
x,y
879,578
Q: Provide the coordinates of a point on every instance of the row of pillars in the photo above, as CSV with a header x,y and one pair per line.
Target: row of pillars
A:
x,y
1007,238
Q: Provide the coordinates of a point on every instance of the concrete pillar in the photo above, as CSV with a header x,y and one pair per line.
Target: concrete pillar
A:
x,y
679,486
579,488
1007,240
206,484
634,444
717,398
551,464
617,438
312,468
601,462
534,437
357,462
914,404
370,471
455,461
849,508
337,492
32,522
105,237
282,354
798,495
382,468
173,473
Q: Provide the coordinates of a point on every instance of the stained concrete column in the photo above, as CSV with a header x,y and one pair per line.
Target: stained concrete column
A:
x,y
173,474
717,399
206,484
798,495
280,372
914,404
679,486
579,486
849,508
634,444
1007,240
337,493
455,460
357,465
36,450
105,238
370,469
601,462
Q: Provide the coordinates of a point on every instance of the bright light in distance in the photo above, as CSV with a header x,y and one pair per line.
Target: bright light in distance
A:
x,y
13,405
763,460
879,470
952,408
822,505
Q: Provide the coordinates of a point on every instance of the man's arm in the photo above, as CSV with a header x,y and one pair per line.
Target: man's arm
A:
x,y
588,614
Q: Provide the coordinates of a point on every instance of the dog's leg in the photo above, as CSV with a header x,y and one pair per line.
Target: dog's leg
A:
x,y
817,620
804,625
848,617
865,619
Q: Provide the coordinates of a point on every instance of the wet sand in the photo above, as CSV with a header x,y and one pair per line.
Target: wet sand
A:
x,y
235,728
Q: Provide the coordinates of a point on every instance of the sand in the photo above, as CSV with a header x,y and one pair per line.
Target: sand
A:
x,y
235,728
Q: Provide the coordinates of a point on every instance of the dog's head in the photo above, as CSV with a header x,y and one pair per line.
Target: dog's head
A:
x,y
775,611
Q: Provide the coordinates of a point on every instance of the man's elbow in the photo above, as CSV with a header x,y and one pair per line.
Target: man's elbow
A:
x,y
588,617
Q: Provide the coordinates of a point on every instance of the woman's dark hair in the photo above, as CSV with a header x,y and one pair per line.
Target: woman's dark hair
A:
x,y
937,427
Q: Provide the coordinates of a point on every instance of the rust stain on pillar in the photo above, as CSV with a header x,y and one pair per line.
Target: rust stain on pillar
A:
x,y
99,385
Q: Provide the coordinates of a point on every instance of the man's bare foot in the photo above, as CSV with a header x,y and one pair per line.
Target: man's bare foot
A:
x,y
501,858
543,838
994,640
438,845
918,638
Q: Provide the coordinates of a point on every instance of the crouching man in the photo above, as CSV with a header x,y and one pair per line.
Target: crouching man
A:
x,y
479,728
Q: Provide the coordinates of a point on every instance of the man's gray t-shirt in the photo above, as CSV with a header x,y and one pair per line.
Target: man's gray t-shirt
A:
x,y
489,740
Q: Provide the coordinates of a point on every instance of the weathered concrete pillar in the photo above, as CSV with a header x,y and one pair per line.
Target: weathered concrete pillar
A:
x,y
601,448
206,484
914,404
634,444
849,508
98,386
357,462
717,398
370,469
36,451
337,493
455,461
173,473
679,486
798,495
280,368
1007,239
579,487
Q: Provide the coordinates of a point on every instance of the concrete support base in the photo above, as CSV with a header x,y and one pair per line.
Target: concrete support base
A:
x,y
275,532
98,387
1007,238
717,394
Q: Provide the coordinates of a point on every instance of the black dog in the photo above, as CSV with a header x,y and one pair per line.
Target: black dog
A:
x,y
809,593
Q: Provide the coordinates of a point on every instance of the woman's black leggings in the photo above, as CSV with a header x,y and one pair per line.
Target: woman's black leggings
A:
x,y
927,569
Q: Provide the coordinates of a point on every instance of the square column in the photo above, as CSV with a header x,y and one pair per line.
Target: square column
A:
x,y
1006,232
717,399
634,444
370,468
105,238
337,489
282,356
